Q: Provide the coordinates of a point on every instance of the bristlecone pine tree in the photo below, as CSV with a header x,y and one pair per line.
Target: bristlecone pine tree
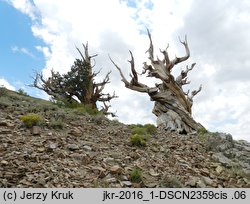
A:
x,y
78,85
172,105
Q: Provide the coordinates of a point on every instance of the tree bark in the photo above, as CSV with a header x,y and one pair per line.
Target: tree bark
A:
x,y
173,107
78,84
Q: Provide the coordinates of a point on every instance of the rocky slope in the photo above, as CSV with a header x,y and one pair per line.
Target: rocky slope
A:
x,y
74,149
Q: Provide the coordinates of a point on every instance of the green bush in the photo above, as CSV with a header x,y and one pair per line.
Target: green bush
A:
x,y
135,125
3,91
90,110
79,108
56,124
202,131
22,92
150,128
138,140
136,175
86,109
139,131
64,103
5,102
143,129
115,122
42,107
31,119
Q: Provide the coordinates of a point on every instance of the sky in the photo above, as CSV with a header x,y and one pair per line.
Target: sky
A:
x,y
40,35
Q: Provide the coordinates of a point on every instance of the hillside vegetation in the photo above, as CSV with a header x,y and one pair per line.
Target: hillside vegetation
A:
x,y
44,145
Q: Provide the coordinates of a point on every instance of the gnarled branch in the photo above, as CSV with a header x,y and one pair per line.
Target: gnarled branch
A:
x,y
181,59
105,110
134,84
181,79
76,85
172,104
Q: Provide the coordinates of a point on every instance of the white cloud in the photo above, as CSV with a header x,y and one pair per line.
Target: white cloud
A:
x,y
25,6
45,51
6,84
218,38
16,49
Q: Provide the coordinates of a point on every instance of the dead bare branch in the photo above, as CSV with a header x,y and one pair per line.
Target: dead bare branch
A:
x,y
181,59
151,47
172,104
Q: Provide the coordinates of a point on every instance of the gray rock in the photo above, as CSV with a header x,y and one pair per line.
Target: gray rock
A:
x,y
126,183
10,117
50,134
242,145
209,181
244,164
125,178
76,132
108,160
4,123
201,184
5,131
220,142
3,162
192,181
111,180
73,147
35,130
239,153
220,157
246,172
52,146
87,148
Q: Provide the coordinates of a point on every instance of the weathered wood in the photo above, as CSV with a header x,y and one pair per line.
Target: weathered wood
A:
x,y
172,104
78,84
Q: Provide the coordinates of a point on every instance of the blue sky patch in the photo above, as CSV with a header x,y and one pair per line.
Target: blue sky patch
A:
x,y
18,53
130,3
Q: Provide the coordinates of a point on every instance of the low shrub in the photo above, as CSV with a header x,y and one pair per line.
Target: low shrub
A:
x,y
3,91
40,107
138,140
143,129
86,109
64,103
136,175
99,119
5,102
31,119
90,110
22,92
78,108
139,131
115,122
150,128
202,131
131,126
56,124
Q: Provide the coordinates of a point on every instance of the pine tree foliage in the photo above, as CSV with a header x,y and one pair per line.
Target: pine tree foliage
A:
x,y
78,85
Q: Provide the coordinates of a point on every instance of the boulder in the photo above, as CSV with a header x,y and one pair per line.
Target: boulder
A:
x,y
220,142
220,157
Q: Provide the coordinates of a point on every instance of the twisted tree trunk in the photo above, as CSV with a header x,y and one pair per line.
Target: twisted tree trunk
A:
x,y
78,85
172,105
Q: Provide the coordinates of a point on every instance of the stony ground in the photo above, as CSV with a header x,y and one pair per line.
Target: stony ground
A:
x,y
78,150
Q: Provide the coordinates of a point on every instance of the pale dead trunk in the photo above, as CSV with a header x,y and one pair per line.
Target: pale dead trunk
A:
x,y
172,105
